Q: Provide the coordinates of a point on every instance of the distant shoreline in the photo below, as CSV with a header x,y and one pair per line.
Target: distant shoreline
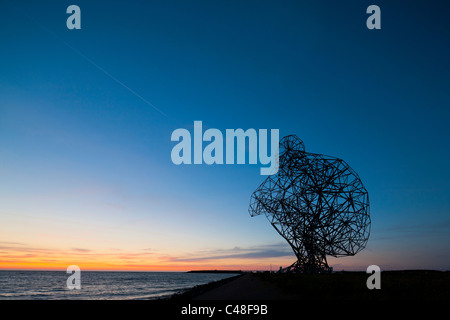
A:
x,y
216,271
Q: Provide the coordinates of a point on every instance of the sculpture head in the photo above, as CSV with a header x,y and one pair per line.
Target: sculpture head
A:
x,y
317,203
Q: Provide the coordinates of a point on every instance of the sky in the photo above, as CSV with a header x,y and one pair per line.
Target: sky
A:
x,y
86,118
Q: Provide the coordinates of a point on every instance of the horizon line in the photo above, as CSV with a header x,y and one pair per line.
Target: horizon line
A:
x,y
218,270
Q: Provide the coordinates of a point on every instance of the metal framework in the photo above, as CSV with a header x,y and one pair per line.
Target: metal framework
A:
x,y
317,203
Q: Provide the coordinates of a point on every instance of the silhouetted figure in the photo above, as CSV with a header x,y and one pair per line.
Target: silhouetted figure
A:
x,y
317,203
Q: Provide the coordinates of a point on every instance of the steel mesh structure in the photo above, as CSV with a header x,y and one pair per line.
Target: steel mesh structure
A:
x,y
317,203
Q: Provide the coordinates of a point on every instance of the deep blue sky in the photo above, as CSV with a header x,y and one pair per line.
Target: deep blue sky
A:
x,y
77,145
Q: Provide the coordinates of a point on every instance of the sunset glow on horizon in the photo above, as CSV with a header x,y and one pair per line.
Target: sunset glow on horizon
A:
x,y
25,258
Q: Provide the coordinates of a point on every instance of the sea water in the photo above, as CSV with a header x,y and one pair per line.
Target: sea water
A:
x,y
32,285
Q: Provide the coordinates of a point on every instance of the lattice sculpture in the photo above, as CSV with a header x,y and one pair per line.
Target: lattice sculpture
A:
x,y
317,203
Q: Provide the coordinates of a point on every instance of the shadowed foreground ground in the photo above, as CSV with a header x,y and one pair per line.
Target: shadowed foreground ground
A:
x,y
395,285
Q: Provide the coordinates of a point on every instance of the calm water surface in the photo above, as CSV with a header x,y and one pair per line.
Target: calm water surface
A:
x,y
99,284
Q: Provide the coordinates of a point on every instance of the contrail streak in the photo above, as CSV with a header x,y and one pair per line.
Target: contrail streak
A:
x,y
94,64
113,78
